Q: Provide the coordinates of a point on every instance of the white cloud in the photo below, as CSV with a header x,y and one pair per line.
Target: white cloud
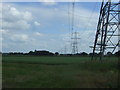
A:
x,y
37,23
14,19
3,31
14,11
0,10
49,2
18,25
19,37
10,13
12,36
27,16
38,34
82,16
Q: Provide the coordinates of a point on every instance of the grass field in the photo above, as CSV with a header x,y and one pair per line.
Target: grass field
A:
x,y
58,72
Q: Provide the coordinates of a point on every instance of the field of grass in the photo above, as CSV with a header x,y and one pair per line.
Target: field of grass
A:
x,y
58,72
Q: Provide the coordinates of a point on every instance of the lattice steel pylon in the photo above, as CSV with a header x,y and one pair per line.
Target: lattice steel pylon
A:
x,y
108,29
74,42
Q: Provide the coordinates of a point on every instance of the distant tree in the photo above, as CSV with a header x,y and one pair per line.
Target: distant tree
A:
x,y
5,53
69,54
40,53
109,54
15,53
91,54
78,54
117,53
56,53
31,53
83,54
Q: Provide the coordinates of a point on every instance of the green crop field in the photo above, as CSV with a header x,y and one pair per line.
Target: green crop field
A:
x,y
58,72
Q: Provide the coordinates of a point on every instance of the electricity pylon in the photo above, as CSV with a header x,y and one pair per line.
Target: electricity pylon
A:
x,y
74,42
108,29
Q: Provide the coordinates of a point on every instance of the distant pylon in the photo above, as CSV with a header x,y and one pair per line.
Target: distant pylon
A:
x,y
108,29
74,42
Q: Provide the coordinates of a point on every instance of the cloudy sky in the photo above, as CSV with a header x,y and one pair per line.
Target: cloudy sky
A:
x,y
33,26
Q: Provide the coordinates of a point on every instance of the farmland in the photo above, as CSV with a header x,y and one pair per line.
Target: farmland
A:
x,y
58,72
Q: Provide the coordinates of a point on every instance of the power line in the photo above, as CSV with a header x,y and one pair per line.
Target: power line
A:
x,y
90,18
69,22
73,4
74,37
76,14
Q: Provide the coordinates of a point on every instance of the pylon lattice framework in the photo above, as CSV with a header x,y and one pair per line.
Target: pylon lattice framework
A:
x,y
74,43
108,29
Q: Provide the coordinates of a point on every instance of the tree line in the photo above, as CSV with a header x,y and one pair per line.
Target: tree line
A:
x,y
34,53
48,53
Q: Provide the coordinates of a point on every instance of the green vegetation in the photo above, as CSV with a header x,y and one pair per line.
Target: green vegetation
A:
x,y
59,72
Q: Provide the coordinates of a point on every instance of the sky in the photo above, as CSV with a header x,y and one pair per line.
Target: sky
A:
x,y
29,26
